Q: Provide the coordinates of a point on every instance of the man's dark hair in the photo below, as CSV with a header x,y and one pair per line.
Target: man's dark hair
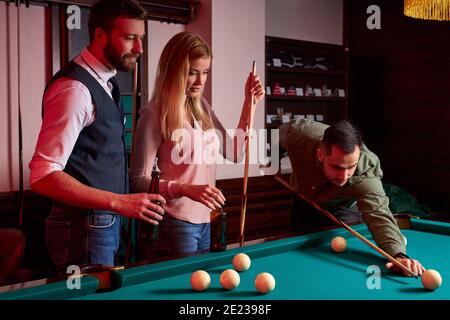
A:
x,y
104,12
343,135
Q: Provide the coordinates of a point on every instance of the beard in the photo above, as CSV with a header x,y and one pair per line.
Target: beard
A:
x,y
118,61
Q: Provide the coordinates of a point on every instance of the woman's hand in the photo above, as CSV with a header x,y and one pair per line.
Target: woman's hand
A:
x,y
206,194
254,87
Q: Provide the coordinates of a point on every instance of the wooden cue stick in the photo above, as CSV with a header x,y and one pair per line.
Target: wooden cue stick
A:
x,y
349,229
133,129
247,156
134,108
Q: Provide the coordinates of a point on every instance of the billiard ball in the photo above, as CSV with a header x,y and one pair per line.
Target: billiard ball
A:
x,y
200,280
241,262
404,240
229,279
264,282
338,244
431,279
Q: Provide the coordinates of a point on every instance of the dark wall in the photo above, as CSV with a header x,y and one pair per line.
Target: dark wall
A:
x,y
400,97
35,210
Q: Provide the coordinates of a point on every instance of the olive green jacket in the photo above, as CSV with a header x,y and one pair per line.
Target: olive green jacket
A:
x,y
301,138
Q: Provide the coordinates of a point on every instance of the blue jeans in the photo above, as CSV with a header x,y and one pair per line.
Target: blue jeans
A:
x,y
187,238
76,236
178,237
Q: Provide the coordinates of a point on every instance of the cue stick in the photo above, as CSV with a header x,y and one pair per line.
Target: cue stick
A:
x,y
349,229
21,195
247,156
134,108
133,129
101,272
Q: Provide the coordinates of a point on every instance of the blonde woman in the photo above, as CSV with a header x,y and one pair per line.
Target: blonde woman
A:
x,y
179,127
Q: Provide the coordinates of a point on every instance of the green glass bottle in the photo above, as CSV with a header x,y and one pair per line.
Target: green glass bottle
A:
x,y
150,231
218,230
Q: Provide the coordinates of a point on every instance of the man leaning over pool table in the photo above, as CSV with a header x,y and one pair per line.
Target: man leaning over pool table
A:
x,y
333,167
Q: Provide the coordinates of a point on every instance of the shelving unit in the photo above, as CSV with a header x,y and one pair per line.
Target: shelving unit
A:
x,y
322,67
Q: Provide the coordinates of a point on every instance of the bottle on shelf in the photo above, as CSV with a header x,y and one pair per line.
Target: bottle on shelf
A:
x,y
291,91
218,230
277,89
309,92
146,230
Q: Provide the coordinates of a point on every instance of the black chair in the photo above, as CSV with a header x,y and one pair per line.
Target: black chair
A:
x,y
12,248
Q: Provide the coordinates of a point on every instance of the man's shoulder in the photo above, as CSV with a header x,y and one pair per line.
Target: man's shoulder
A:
x,y
368,168
69,68
76,69
66,76
302,131
67,86
305,127
368,159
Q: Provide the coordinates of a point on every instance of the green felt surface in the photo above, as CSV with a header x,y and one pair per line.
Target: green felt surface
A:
x,y
304,268
54,290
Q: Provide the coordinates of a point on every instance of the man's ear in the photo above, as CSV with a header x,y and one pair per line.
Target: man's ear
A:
x,y
100,35
319,153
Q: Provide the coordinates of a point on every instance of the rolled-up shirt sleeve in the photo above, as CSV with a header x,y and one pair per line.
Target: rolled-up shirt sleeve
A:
x,y
374,206
67,110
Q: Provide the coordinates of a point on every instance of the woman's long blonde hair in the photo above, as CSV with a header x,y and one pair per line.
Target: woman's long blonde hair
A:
x,y
169,95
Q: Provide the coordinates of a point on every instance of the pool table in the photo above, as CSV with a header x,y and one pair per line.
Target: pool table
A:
x,y
304,267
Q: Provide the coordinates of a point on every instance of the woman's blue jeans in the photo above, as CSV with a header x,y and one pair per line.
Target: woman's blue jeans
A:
x,y
187,238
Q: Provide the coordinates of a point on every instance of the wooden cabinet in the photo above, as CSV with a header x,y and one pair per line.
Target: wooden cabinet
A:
x,y
305,80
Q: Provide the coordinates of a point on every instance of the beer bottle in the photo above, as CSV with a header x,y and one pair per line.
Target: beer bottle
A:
x,y
147,230
218,230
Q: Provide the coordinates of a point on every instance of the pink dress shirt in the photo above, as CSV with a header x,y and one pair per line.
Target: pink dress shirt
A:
x,y
68,108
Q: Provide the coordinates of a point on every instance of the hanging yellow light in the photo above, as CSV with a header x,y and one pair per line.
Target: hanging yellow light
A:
x,y
427,9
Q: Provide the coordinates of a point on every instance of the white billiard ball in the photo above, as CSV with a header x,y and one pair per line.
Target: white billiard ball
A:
x,y
200,280
229,279
338,244
264,282
431,279
241,262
